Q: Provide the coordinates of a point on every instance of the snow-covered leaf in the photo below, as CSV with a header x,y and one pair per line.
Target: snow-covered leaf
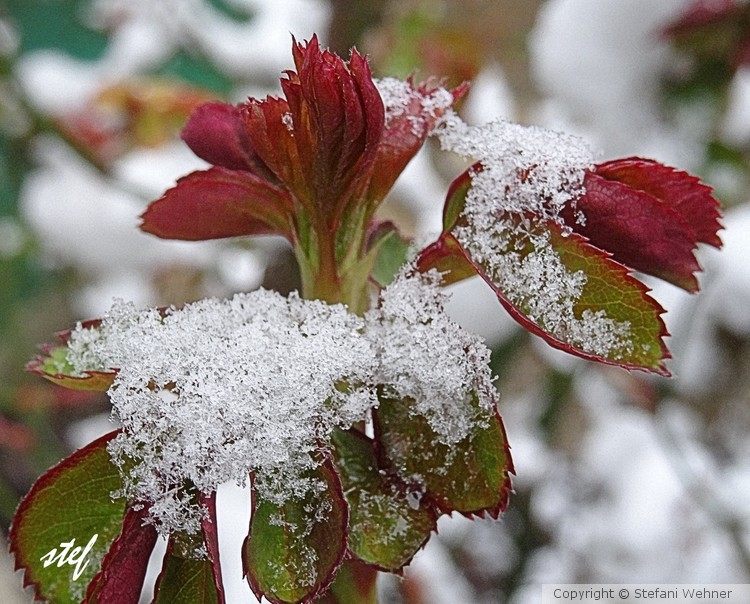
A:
x,y
554,283
293,550
53,365
384,529
471,476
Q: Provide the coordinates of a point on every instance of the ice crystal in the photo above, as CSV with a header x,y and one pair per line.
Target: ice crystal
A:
x,y
256,384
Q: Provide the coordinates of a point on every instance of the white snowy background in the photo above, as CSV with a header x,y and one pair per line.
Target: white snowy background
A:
x,y
631,495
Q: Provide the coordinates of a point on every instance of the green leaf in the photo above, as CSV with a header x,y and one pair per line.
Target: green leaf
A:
x,y
184,578
391,249
470,477
293,551
355,582
384,529
70,504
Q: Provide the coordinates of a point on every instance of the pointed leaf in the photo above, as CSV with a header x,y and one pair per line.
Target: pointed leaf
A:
x,y
470,477
293,551
68,521
385,529
210,532
650,217
185,578
53,365
556,284
682,192
123,569
219,203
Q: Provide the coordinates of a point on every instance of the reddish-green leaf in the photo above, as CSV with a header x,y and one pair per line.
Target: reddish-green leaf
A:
x,y
186,577
70,504
609,289
123,569
385,530
471,476
217,203
53,365
293,551
355,583
613,319
447,257
446,254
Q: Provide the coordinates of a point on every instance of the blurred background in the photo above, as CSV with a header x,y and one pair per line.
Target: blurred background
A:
x,y
621,477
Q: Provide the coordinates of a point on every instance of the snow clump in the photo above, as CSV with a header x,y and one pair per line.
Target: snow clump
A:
x,y
256,384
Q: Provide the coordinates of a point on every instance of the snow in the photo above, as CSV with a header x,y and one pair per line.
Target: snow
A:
x,y
614,508
599,63
223,388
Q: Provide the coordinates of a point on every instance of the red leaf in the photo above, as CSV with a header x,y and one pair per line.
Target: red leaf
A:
x,y
679,190
209,529
123,569
405,133
322,140
638,230
216,133
649,217
218,203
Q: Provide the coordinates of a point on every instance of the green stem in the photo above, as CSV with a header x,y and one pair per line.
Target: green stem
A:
x,y
325,274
